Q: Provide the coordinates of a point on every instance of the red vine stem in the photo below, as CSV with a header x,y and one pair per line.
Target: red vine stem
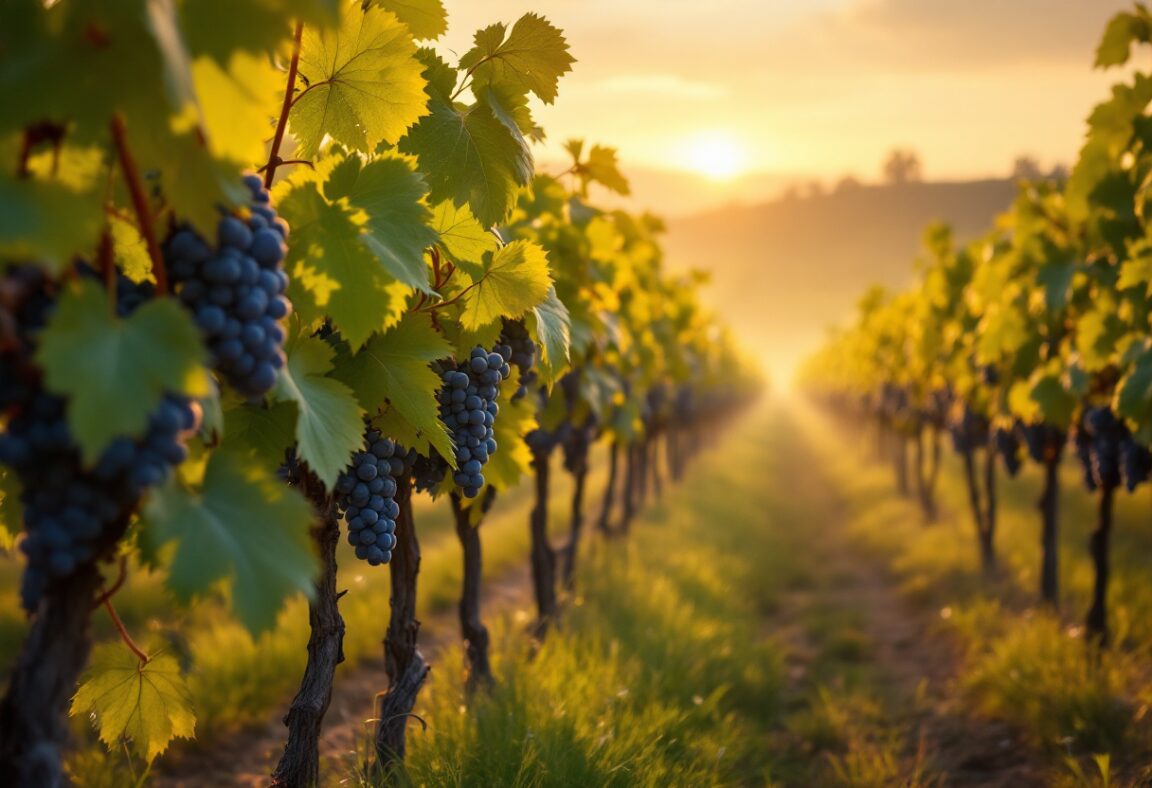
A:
x,y
139,201
274,159
120,578
128,641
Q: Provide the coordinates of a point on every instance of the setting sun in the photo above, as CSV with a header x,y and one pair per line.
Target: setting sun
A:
x,y
717,156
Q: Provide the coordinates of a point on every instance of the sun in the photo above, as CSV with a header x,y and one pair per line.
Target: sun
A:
x,y
716,155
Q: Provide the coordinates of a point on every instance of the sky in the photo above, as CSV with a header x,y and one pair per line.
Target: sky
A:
x,y
803,89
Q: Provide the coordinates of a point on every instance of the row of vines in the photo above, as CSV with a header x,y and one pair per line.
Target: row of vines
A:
x,y
1031,341
270,269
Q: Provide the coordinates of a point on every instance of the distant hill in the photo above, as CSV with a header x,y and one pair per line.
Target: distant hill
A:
x,y
785,270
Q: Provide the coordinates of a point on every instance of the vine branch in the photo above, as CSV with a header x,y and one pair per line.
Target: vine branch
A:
x,y
139,201
121,576
274,159
128,641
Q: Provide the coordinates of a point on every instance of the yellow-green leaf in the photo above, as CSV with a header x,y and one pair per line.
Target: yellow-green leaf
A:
x,y
516,280
148,704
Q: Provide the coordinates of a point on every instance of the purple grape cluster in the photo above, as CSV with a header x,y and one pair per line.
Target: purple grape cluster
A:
x,y
521,353
1043,441
468,408
1098,440
235,291
969,431
366,493
1008,447
73,512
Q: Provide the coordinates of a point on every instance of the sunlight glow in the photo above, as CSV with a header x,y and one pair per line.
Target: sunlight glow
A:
x,y
717,155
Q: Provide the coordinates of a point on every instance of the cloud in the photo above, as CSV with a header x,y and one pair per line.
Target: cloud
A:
x,y
972,34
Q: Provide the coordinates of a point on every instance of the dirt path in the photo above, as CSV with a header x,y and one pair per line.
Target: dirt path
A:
x,y
912,666
248,757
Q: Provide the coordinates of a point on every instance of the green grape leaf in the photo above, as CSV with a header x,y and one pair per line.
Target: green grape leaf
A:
x,y
1056,403
513,459
551,327
265,431
532,58
1056,278
394,368
148,704
115,371
1097,332
464,239
131,254
391,195
1136,271
329,420
47,222
365,84
237,101
253,26
441,76
242,524
469,156
1123,30
427,19
1134,392
602,167
331,271
11,513
515,281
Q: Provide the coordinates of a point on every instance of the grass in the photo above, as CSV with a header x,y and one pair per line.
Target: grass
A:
x,y
1023,664
672,664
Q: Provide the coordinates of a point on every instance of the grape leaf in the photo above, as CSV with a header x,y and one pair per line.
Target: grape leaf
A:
x,y
393,368
469,156
551,326
532,58
513,459
266,431
253,26
365,84
427,19
602,167
47,222
1056,404
237,102
515,281
331,271
241,524
131,254
148,704
329,421
464,239
1134,392
391,195
1123,30
115,371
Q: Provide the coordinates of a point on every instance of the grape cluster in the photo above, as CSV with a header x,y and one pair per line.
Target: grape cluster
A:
x,y
1043,441
366,493
468,407
1103,435
521,352
1008,447
1135,463
969,431
72,512
236,291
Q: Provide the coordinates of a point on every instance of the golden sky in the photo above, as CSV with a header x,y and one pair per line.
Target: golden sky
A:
x,y
819,88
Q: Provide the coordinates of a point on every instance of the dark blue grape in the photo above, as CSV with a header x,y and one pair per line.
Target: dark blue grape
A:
x,y
236,292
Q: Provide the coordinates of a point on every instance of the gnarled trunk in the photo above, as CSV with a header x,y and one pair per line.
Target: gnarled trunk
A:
x,y
1096,622
568,571
543,557
300,763
1049,534
602,523
33,731
472,629
403,662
